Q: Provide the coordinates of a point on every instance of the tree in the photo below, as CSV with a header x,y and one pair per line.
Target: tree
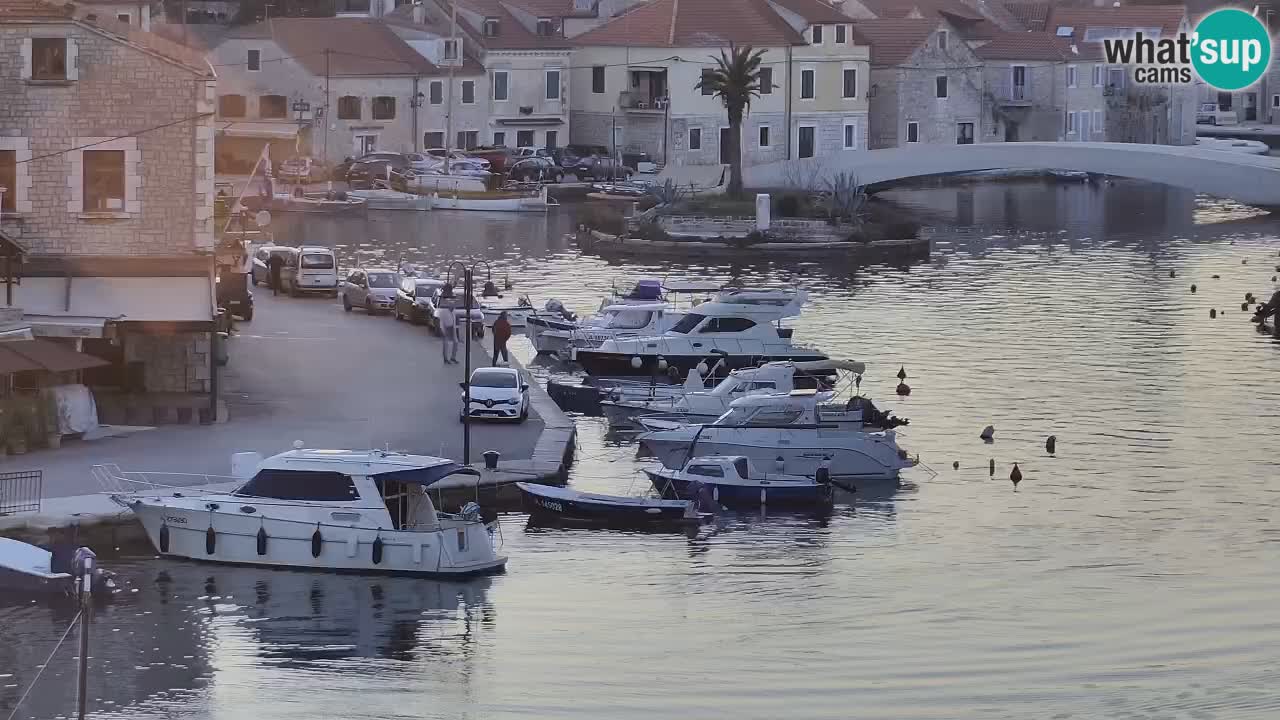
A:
x,y
735,80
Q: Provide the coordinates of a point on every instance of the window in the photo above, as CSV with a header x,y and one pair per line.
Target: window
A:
x,y
1224,101
913,132
695,142
850,136
49,59
706,470
490,27
807,88
450,49
850,83
1071,76
964,133
941,83
942,39
706,78
546,27
124,18
817,35
524,138
597,79
231,106
553,139
317,261
384,108
689,321
273,107
500,85
315,485
9,180
764,136
553,84
1275,101
1071,123
805,141
104,181
775,416
253,62
766,81
841,31
468,139
462,539
499,139
468,92
1097,122
348,107
728,324
435,92
1115,78
630,319
1097,75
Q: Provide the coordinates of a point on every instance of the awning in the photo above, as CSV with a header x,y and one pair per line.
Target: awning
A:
x,y
68,326
261,130
24,355
81,306
538,121
427,476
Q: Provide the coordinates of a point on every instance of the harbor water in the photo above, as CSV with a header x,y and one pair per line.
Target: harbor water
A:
x,y
1131,575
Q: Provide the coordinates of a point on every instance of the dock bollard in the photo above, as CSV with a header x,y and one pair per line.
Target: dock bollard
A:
x,y
491,459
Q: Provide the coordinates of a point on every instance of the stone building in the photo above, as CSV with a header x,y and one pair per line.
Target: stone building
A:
x,y
106,152
1030,86
635,76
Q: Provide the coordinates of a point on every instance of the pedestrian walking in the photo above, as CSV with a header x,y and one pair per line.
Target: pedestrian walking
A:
x,y
501,333
276,266
448,324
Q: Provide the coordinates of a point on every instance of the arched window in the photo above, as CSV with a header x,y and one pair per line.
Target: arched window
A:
x,y
348,107
231,106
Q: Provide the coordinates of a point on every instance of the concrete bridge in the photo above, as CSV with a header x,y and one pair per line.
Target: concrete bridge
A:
x,y
1250,179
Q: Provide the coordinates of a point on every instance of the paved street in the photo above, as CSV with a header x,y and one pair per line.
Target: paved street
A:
x,y
305,370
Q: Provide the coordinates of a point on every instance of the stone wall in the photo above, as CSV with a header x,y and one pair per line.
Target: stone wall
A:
x,y
120,90
171,363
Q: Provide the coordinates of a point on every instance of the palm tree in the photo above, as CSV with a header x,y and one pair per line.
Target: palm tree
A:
x,y
735,80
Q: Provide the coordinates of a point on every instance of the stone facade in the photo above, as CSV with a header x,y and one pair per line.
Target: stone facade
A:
x,y
171,364
908,93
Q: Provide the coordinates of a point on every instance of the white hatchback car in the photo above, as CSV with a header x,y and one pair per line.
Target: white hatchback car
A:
x,y
497,393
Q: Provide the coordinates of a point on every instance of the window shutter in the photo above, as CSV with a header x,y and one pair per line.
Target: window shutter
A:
x,y
26,58
73,60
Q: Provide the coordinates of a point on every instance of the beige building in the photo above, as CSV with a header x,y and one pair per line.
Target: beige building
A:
x,y
106,154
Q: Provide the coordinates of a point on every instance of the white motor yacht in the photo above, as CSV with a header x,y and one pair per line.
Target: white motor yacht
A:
x,y
345,510
787,433
615,319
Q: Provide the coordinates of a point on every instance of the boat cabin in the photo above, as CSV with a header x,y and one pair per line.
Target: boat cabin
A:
x,y
720,466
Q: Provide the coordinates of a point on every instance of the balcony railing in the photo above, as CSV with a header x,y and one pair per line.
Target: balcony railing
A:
x,y
1013,93
642,102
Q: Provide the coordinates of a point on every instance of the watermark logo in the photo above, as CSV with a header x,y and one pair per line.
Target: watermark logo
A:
x,y
1229,49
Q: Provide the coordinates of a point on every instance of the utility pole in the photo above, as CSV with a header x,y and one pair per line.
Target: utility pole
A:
x,y
466,401
326,104
86,612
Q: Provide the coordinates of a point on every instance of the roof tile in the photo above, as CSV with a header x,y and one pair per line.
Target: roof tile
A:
x,y
1025,46
695,23
814,11
893,40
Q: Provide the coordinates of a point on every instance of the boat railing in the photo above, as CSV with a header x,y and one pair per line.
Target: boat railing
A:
x,y
113,480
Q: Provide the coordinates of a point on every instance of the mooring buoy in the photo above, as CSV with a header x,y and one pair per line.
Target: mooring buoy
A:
x,y
1015,476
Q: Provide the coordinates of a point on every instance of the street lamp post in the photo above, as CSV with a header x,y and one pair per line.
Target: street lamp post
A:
x,y
468,275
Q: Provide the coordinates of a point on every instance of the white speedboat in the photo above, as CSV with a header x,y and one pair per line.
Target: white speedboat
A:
x,y
742,326
787,433
523,311
345,510
386,199
622,314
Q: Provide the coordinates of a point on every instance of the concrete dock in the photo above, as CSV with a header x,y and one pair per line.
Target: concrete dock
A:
x,y
305,370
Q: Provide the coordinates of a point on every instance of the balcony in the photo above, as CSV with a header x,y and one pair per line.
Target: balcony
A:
x,y
633,102
1013,94
648,93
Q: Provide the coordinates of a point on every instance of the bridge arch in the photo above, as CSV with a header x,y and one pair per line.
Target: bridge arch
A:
x,y
1250,179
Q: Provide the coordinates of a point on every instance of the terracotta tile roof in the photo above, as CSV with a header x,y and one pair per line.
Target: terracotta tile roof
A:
x,y
813,11
1031,15
512,35
893,40
695,23
34,10
1025,46
357,46
1165,17
549,8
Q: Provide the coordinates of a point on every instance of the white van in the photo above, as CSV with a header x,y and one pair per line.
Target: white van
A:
x,y
317,272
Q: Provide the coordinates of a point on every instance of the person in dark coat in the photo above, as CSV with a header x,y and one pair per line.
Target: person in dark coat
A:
x,y
276,265
501,333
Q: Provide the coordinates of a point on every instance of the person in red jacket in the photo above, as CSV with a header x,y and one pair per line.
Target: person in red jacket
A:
x,y
501,333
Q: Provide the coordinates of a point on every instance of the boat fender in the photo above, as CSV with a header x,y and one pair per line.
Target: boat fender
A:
x,y
353,545
823,476
317,542
762,496
262,541
377,550
417,553
210,541
164,537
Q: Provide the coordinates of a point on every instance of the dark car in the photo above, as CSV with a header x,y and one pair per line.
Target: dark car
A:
x,y
571,155
601,168
536,169
500,158
234,293
416,301
363,173
339,171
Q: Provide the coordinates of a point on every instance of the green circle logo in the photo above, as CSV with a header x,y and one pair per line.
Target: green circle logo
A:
x,y
1231,49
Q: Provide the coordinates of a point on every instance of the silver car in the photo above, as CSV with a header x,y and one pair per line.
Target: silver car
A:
x,y
373,289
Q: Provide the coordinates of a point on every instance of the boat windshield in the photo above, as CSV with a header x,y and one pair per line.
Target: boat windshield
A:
x,y
629,319
300,485
758,416
687,323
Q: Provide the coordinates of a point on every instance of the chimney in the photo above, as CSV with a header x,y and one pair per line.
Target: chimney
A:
x,y
419,13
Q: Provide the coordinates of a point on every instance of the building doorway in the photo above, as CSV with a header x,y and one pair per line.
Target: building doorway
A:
x,y
805,141
1251,107
1011,132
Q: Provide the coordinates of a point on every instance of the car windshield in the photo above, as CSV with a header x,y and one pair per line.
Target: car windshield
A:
x,y
317,261
382,280
424,291
493,379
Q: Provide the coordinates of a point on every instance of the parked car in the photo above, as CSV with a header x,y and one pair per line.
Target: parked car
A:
x,y
457,156
498,157
339,171
261,272
362,174
601,168
574,154
536,169
233,293
1210,114
315,271
525,152
416,301
373,289
497,393
300,169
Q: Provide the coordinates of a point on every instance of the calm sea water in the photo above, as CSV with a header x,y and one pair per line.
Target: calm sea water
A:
x,y
1134,575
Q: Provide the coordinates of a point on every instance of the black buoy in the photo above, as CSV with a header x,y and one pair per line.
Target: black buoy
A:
x,y
1213,313
1193,287
1244,306
377,550
1051,444
1244,261
1248,297
262,541
1015,476
164,537
991,467
317,542
903,389
1273,278
210,541
902,372
1215,277
955,465
1172,274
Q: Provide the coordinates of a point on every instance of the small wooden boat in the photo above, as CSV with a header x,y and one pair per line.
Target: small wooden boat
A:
x,y
386,199
321,204
494,200
735,482
564,504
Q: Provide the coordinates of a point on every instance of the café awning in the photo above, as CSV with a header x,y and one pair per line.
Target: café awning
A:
x,y
47,355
